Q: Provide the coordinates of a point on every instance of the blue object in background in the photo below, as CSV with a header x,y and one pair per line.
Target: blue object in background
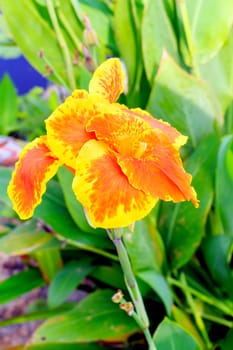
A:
x,y
23,75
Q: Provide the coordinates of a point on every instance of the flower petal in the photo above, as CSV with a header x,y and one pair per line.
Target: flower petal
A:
x,y
104,190
175,137
108,80
66,127
160,174
35,167
119,129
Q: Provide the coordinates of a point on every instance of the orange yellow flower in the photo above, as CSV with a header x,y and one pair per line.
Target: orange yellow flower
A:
x,y
123,159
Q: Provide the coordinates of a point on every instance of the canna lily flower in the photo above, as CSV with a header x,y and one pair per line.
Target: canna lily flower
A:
x,y
123,160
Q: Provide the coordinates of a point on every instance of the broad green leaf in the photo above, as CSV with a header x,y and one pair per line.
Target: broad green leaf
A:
x,y
157,35
8,105
24,239
185,321
217,251
110,275
42,37
226,343
181,224
218,72
95,318
67,280
19,284
143,251
43,314
159,284
184,101
211,21
49,261
170,336
224,184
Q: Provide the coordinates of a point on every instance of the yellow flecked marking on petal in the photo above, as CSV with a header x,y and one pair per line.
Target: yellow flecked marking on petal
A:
x,y
108,80
35,167
66,128
104,190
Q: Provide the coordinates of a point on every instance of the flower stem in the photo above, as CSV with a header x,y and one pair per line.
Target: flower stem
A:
x,y
188,34
140,315
62,43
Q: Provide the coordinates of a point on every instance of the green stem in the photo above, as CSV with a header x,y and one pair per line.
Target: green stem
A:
x,y
132,287
54,72
208,300
62,43
188,34
196,315
85,247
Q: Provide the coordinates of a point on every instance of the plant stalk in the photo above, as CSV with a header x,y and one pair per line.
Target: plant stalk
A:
x,y
140,316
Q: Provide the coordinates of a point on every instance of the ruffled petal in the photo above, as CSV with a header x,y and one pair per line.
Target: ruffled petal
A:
x,y
66,127
175,137
122,131
160,173
108,80
104,190
35,167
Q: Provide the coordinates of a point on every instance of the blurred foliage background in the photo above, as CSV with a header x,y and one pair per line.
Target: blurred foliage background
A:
x,y
178,59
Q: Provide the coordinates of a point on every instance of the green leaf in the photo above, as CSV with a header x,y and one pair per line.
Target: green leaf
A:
x,y
67,280
8,105
185,321
181,224
95,318
226,343
159,284
24,239
217,251
143,251
49,261
218,72
110,275
208,33
170,336
19,284
64,346
128,45
41,38
184,101
224,184
157,34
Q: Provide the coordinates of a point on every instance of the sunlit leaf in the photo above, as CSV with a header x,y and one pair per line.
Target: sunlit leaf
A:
x,y
8,105
128,45
184,101
157,34
218,72
210,23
